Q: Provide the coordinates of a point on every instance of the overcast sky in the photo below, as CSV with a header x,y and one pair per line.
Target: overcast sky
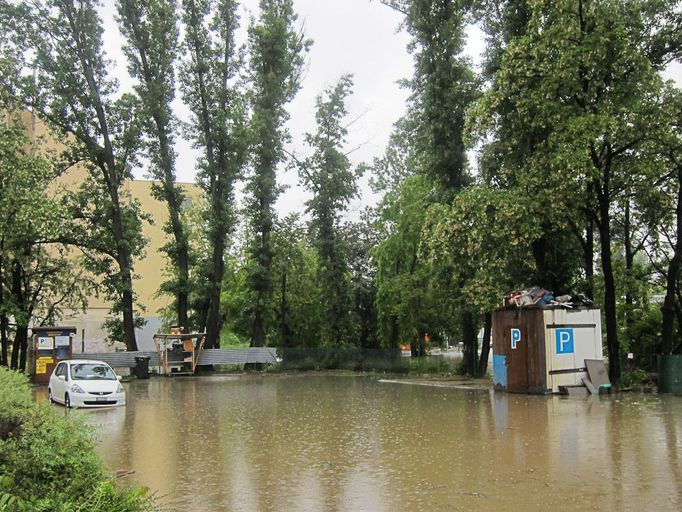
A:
x,y
349,36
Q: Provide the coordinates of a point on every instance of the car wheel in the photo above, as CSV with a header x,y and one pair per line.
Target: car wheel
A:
x,y
49,396
67,401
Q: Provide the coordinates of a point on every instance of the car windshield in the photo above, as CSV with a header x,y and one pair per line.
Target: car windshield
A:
x,y
92,371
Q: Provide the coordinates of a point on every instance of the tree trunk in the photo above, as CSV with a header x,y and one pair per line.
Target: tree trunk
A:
x,y
4,342
21,341
19,348
180,253
629,266
485,348
539,248
17,293
589,258
394,342
4,322
258,332
612,343
213,321
284,328
182,292
160,107
123,252
668,309
470,340
264,264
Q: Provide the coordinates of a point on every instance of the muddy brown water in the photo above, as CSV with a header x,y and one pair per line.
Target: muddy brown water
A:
x,y
333,443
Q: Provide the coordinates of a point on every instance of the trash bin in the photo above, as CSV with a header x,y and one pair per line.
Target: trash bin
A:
x,y
141,367
670,373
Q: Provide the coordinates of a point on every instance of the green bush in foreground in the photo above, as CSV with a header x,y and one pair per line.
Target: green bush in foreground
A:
x,y
48,462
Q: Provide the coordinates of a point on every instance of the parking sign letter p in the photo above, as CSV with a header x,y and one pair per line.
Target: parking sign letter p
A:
x,y
515,337
564,341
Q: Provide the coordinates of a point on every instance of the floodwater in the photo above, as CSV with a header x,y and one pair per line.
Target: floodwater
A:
x,y
333,443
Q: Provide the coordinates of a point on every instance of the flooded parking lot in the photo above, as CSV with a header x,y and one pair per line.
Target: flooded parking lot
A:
x,y
333,443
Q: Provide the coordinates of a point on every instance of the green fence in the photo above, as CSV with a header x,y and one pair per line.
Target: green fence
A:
x,y
360,359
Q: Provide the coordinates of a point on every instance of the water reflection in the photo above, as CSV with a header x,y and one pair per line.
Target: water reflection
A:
x,y
280,443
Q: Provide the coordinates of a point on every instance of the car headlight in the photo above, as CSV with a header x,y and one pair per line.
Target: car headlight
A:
x,y
77,389
119,389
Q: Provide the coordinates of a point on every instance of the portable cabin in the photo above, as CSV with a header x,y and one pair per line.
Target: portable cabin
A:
x,y
537,350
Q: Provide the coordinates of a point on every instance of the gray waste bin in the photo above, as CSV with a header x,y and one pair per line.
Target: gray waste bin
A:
x,y
141,369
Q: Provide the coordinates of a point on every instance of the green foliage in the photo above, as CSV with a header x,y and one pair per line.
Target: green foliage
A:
x,y
26,212
643,338
575,109
235,298
435,365
298,311
361,238
295,316
327,174
484,236
37,277
47,461
409,301
443,85
276,63
343,358
229,339
635,377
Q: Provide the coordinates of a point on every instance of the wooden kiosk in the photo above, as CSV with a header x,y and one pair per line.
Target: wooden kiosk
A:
x,y
178,352
49,345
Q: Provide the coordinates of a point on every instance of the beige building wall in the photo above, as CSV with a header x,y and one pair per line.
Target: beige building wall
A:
x,y
150,269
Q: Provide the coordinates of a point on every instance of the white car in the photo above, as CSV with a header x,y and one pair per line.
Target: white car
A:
x,y
85,383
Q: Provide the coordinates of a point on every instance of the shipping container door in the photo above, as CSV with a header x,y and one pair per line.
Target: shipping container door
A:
x,y
516,346
573,336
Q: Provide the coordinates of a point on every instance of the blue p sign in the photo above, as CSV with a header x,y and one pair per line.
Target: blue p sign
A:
x,y
564,341
515,337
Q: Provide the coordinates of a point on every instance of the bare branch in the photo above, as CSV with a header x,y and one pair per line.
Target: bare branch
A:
x,y
396,5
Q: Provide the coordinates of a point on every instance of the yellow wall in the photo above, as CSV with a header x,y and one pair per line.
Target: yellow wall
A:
x,y
152,267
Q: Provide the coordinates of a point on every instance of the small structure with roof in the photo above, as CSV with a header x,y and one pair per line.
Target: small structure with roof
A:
x,y
543,347
179,352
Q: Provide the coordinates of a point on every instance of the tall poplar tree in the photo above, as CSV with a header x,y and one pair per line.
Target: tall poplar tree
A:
x,y
332,181
212,90
276,61
443,87
151,33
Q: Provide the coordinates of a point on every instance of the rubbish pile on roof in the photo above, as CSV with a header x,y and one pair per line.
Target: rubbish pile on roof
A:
x,y
539,297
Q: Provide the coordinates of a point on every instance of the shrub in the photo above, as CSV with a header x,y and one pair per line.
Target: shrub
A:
x,y
48,462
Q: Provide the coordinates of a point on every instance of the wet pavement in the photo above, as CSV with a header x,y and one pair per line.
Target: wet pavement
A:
x,y
337,443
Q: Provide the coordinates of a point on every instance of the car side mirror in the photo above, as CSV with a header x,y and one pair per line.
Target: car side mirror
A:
x,y
118,378
61,377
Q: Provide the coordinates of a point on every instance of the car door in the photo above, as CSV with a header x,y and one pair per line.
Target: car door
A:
x,y
65,383
57,384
